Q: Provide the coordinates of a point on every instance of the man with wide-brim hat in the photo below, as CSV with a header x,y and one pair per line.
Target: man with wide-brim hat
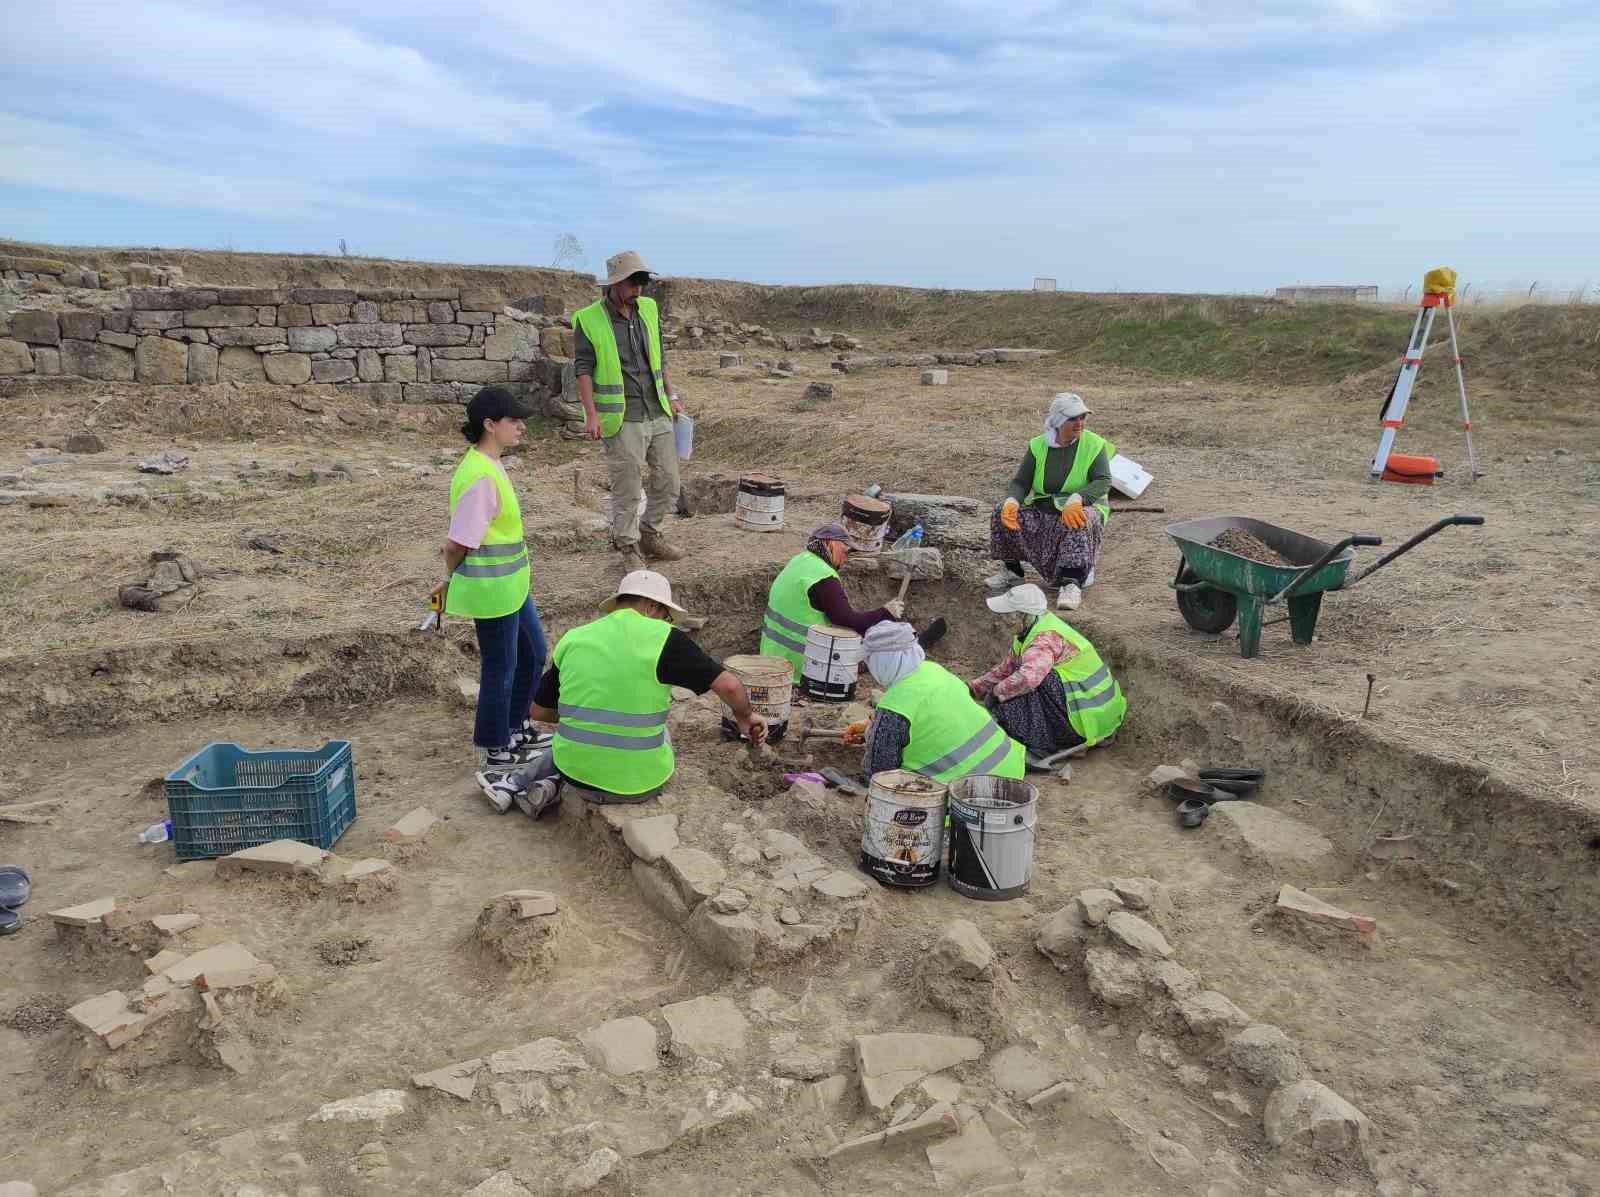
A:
x,y
629,404
609,691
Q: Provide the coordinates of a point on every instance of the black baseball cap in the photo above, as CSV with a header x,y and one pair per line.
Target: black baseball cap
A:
x,y
495,403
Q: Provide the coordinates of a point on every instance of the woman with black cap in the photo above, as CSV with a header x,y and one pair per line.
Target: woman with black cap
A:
x,y
487,579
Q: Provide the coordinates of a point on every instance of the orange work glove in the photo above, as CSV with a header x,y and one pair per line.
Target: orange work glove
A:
x,y
1009,515
1073,515
856,733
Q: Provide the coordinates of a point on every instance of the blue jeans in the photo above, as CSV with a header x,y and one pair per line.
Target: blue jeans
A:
x,y
511,651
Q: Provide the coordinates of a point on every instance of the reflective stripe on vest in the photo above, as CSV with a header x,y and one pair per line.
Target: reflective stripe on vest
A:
x,y
492,579
1089,446
612,731
1095,703
790,614
951,735
609,403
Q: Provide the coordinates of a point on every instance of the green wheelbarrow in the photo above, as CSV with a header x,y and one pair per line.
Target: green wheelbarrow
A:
x,y
1214,586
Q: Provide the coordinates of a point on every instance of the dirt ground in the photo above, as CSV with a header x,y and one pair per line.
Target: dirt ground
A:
x,y
1465,1034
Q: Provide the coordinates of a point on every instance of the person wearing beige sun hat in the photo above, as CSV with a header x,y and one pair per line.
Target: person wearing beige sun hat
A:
x,y
609,691
629,404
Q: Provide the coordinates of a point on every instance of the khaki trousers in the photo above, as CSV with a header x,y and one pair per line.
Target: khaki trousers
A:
x,y
638,447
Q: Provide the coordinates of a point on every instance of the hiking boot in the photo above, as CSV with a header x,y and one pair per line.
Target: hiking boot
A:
x,y
658,548
630,559
1068,597
933,633
1002,579
539,799
499,788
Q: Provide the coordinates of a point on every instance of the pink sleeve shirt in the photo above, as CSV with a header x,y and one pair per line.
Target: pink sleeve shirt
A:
x,y
475,511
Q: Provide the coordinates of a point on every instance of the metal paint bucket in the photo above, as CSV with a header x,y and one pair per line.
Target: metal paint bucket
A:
x,y
832,663
902,836
770,681
758,507
991,836
866,520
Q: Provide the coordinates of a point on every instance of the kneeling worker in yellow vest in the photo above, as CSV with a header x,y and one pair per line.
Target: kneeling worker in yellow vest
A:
x,y
926,720
1052,692
809,591
608,691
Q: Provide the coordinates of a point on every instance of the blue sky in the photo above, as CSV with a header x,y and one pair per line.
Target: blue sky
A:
x,y
1143,145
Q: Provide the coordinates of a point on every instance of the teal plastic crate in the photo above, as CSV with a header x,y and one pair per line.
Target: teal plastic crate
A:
x,y
225,798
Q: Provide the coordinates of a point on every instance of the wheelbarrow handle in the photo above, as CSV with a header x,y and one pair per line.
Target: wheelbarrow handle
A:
x,y
1360,538
1449,521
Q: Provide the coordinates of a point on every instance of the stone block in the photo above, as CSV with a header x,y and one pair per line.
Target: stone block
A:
x,y
108,363
697,874
658,892
469,371
220,316
1113,977
219,959
280,856
412,826
315,295
253,336
236,363
1307,1114
935,378
36,328
46,360
970,1161
404,311
1265,1055
1263,836
711,1026
476,318
293,315
652,837
547,1057
15,357
333,370
182,299
287,369
312,340
1095,904
116,321
86,914
150,321
454,353
963,952
109,1018
501,1184
175,924
158,360
81,326
121,340
189,336
368,335
1301,905
557,342
1163,775
512,341
482,299
400,368
1137,935
432,392
1137,893
1021,1073
163,960
888,1063
1210,1012
330,313
202,364
213,980
437,334
840,886
458,1080
26,265
440,312
258,296
369,366
364,311
369,1107
728,938
1170,978
623,1046
1017,355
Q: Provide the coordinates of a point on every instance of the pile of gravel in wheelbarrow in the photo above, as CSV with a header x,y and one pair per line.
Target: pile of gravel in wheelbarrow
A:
x,y
1236,540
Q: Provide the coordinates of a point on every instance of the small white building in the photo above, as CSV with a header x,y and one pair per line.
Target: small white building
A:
x,y
1326,293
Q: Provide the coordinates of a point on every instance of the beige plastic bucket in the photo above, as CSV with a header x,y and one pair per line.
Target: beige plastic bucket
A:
x,y
770,681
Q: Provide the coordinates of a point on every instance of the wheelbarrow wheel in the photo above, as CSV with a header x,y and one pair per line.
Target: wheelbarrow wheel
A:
x,y
1205,608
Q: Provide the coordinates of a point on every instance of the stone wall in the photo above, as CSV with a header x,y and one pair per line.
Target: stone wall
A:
x,y
422,345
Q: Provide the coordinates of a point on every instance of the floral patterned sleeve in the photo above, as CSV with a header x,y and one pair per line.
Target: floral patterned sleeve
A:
x,y
989,680
1046,652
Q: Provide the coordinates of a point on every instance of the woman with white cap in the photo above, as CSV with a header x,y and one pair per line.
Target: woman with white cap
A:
x,y
1056,507
1052,692
926,720
609,691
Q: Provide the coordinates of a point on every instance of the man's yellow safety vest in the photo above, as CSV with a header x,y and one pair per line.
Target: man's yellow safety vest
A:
x,y
608,399
612,733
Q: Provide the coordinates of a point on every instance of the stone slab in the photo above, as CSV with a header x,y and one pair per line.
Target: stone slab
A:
x,y
218,959
369,1107
458,1080
697,874
652,837
1137,935
840,886
546,1056
1299,904
890,1062
412,826
710,1025
972,1156
1263,836
175,924
623,1046
280,856
109,1017
1021,1073
87,914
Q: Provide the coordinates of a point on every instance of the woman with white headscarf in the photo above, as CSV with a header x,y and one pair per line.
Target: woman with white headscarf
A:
x,y
926,720
1055,511
1051,691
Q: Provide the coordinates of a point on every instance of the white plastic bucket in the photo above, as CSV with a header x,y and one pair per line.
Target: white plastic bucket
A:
x,y
832,663
992,823
770,681
902,836
683,436
758,507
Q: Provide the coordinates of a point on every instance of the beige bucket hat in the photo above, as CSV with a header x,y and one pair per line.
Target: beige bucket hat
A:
x,y
620,266
643,583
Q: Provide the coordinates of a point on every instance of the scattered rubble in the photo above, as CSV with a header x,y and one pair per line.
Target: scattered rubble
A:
x,y
521,928
889,1063
963,951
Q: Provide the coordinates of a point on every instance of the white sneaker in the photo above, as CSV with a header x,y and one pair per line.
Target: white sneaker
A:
x,y
1004,579
498,788
1068,598
539,799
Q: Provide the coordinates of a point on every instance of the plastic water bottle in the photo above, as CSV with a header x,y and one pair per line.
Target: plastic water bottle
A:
x,y
911,538
157,833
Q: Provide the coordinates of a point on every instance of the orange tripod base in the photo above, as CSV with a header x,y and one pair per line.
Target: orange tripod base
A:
x,y
1411,468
